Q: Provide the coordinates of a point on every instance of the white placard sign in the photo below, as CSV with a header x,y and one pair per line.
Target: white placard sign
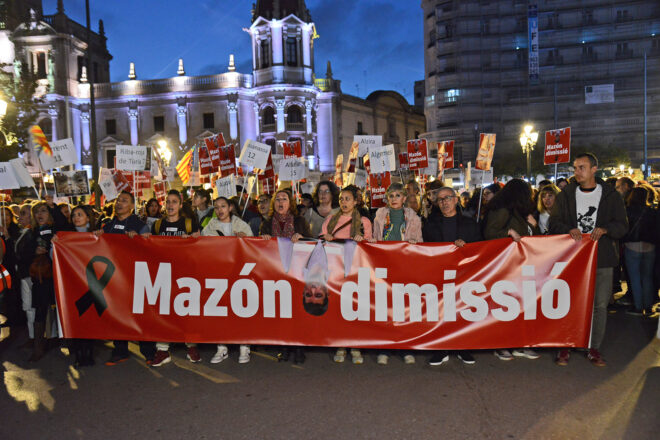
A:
x,y
64,153
254,154
381,159
365,142
292,169
307,188
360,178
8,178
107,184
131,157
22,175
226,186
479,176
276,158
432,169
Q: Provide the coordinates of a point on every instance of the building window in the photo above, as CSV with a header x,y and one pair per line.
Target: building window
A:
x,y
265,54
588,53
291,51
81,64
208,121
452,94
110,126
430,101
159,124
294,115
588,16
41,65
622,15
391,128
360,130
269,116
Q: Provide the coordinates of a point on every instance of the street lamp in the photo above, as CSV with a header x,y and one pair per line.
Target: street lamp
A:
x,y
528,139
164,152
3,108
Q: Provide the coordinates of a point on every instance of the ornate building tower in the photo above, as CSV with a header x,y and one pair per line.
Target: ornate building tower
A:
x,y
282,35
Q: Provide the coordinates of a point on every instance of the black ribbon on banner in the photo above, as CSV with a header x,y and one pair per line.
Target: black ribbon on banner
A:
x,y
96,285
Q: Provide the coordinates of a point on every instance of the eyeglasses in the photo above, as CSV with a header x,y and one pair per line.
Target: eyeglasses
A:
x,y
445,199
324,191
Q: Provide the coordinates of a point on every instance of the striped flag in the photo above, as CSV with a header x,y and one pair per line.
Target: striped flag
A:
x,y
40,142
183,168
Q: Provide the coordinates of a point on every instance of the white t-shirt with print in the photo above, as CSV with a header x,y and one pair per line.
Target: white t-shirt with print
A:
x,y
586,206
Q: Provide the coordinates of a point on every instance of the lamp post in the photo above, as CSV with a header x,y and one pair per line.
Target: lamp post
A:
x,y
528,139
164,152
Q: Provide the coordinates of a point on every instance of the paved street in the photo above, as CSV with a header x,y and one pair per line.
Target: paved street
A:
x,y
264,399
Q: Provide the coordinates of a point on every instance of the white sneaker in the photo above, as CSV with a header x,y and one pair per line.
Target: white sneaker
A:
x,y
409,359
244,354
526,353
220,355
340,355
356,356
504,355
382,359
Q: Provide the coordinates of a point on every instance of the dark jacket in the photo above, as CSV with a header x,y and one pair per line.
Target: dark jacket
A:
x,y
299,225
468,229
499,221
643,223
611,215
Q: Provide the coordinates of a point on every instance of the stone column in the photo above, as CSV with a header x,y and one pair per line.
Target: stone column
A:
x,y
84,121
279,104
257,118
306,46
276,42
52,111
181,112
308,115
233,120
133,121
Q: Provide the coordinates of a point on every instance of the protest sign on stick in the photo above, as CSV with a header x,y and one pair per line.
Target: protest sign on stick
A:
x,y
486,151
131,157
381,159
378,184
417,154
366,142
254,154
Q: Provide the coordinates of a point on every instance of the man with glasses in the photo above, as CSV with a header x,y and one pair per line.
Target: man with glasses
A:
x,y
447,225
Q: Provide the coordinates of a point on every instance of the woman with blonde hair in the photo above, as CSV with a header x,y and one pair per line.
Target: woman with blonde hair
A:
x,y
546,200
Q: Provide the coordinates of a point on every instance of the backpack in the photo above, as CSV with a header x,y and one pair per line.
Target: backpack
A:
x,y
159,222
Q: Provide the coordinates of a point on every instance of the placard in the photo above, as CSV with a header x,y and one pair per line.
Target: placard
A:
x,y
378,184
418,154
8,179
358,178
403,161
366,142
352,157
121,182
226,186
486,151
254,154
292,149
131,157
227,160
160,192
64,153
381,159
446,149
205,163
22,175
107,184
432,168
338,178
71,183
292,169
557,146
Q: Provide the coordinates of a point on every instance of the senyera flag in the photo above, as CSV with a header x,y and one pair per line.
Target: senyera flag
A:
x,y
557,146
40,141
486,295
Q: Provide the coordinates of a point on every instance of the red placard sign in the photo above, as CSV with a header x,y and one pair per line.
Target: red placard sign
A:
x,y
418,154
557,146
227,160
446,150
378,184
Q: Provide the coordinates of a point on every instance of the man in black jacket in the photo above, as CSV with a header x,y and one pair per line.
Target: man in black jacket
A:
x,y
447,225
588,206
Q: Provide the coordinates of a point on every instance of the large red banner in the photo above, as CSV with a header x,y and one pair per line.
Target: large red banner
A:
x,y
490,294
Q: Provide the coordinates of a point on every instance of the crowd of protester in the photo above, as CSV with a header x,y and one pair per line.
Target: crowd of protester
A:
x,y
618,212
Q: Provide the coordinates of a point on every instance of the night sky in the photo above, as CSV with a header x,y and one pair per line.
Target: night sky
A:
x,y
372,44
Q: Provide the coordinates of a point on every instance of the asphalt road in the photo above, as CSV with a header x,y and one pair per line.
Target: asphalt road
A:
x,y
531,399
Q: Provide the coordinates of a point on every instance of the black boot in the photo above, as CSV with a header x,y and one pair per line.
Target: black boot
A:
x,y
299,356
39,342
89,353
283,355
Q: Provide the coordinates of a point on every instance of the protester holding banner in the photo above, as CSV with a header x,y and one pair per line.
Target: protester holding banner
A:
x,y
326,202
84,220
546,200
285,222
124,221
510,214
588,206
347,223
226,224
283,219
447,225
41,273
394,222
174,224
